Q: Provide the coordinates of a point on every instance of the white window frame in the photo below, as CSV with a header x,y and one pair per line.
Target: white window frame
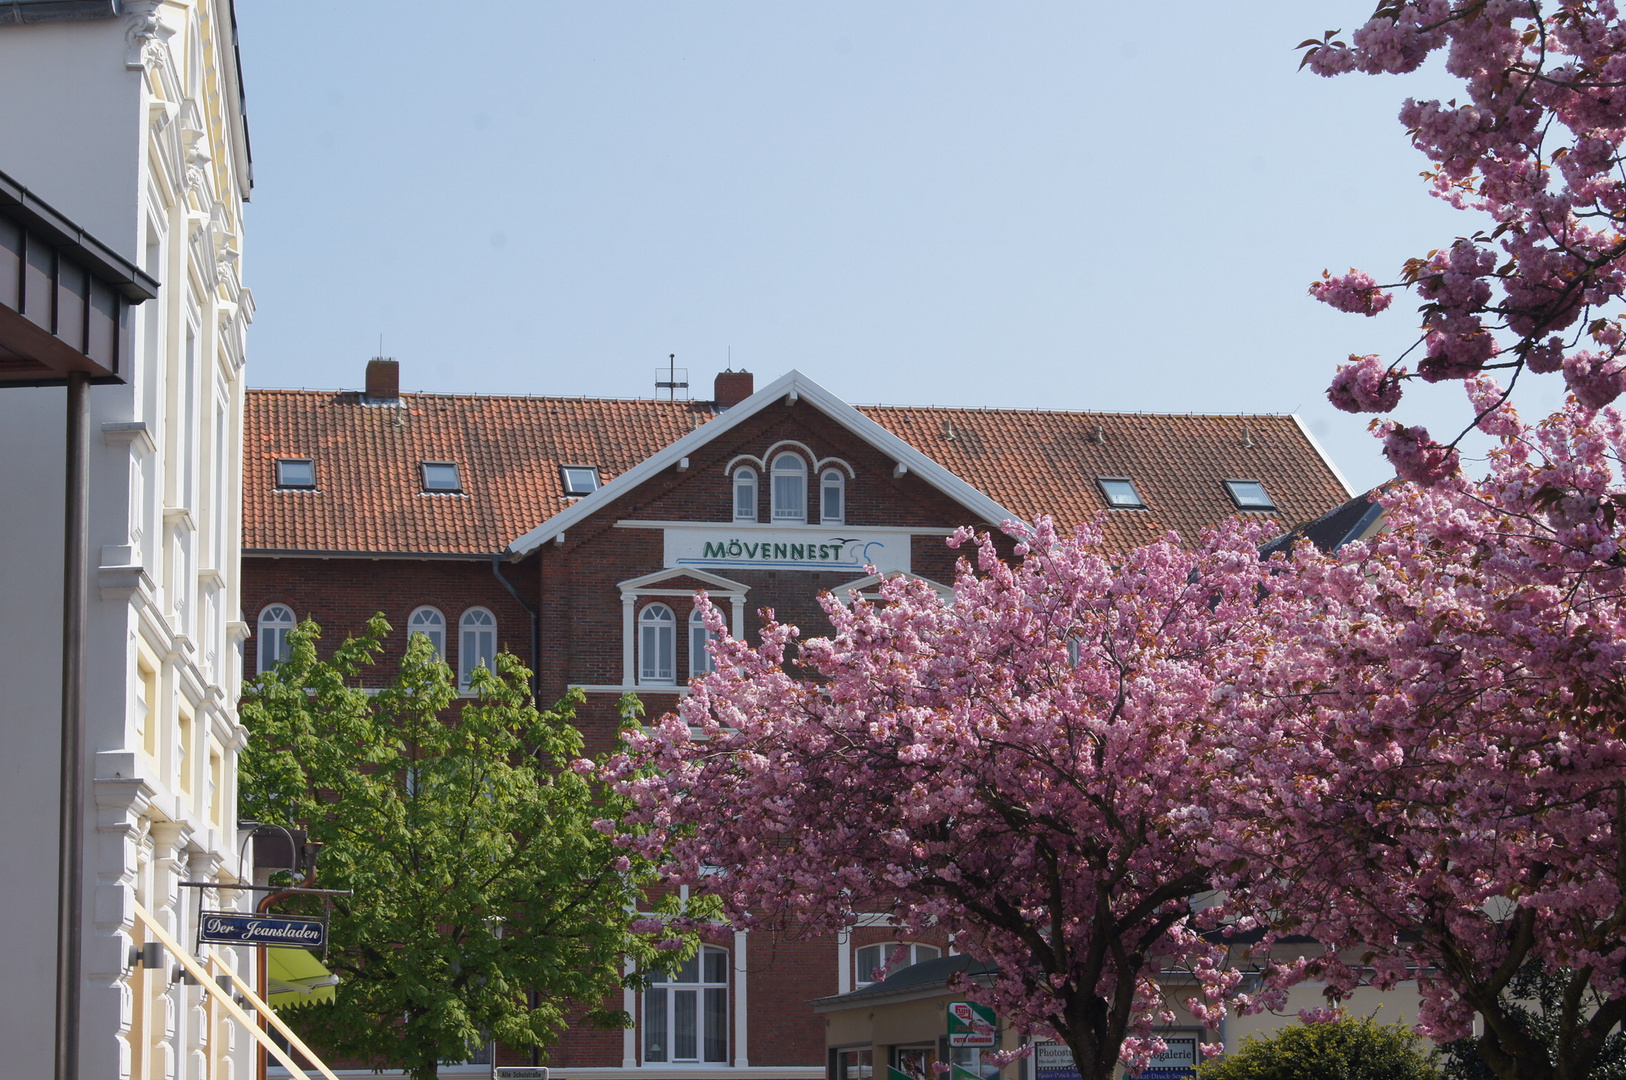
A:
x,y
832,483
790,497
657,641
271,642
699,637
473,625
431,623
677,587
709,1003
885,951
745,494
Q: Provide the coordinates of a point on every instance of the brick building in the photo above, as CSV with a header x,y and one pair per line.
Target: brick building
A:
x,y
574,533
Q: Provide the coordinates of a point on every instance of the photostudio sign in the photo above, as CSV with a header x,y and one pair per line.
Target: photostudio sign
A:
x,y
240,928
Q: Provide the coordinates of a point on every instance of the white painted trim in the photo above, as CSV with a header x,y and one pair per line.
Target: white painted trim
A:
x,y
629,1035
1315,444
713,526
741,1055
980,505
628,629
844,961
630,688
723,585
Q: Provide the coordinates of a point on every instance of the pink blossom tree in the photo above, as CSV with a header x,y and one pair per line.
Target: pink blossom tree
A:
x,y
1028,768
1534,144
1450,805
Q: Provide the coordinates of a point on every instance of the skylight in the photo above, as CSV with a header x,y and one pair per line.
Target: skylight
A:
x,y
1249,495
296,473
442,476
1120,493
579,479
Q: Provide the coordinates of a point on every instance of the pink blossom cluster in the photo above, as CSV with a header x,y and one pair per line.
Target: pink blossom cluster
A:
x,y
1095,769
1446,801
1028,768
1533,144
1354,292
1365,384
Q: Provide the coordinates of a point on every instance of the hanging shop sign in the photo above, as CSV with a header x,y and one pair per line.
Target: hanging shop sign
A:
x,y
244,928
1054,1061
970,1024
1178,1061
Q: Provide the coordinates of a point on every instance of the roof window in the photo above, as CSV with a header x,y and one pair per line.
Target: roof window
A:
x,y
579,479
442,477
296,474
1249,495
1120,493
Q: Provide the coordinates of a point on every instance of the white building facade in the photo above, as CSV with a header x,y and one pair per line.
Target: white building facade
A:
x,y
126,118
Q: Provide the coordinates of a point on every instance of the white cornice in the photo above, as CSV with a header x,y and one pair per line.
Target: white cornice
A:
x,y
792,384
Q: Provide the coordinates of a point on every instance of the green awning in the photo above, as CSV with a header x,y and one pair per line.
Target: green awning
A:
x,y
296,977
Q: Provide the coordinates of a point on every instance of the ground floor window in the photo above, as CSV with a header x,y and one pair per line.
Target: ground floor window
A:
x,y
856,1064
686,1015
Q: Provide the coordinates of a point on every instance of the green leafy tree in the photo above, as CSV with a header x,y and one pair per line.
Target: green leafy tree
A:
x,y
486,903
1536,999
1344,1050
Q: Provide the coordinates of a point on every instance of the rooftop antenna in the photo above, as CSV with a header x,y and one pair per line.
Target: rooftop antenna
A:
x,y
672,384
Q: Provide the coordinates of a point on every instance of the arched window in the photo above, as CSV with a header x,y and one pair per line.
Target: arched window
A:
x,y
275,622
476,644
431,624
699,658
745,494
870,958
657,633
832,497
686,1014
789,488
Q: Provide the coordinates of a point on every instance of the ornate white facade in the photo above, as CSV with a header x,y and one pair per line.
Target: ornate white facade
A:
x,y
127,119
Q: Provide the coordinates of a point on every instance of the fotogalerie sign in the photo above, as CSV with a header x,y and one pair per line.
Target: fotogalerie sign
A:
x,y
241,928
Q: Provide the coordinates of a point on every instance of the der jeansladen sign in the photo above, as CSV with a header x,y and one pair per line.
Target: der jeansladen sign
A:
x,y
239,928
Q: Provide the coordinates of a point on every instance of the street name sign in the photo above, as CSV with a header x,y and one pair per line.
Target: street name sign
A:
x,y
244,928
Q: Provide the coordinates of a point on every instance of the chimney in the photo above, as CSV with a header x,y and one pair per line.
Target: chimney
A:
x,y
733,387
383,380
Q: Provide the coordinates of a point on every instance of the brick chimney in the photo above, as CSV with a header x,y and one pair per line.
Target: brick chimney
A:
x,y
383,380
733,387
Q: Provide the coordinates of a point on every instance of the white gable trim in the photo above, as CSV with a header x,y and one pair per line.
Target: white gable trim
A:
x,y
865,587
791,384
720,585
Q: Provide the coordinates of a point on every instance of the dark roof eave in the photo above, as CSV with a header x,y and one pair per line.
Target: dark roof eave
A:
x,y
323,553
19,203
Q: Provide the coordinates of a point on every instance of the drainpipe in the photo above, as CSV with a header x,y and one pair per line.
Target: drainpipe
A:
x,y
71,813
536,629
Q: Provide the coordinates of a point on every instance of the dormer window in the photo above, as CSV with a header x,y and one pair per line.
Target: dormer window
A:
x,y
579,480
1120,493
296,474
1249,495
442,477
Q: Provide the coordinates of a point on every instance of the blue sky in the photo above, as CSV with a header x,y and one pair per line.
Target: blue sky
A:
x,y
1057,205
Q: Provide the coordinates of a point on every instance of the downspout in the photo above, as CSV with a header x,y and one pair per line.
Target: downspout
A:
x,y
71,813
536,628
536,696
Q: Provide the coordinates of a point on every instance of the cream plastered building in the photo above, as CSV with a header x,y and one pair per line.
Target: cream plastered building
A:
x,y
126,118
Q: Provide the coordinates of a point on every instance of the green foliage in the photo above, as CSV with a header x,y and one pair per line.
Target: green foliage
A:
x,y
1536,1003
1345,1050
468,840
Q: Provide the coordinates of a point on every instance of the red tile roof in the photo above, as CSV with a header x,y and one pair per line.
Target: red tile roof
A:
x,y
1034,462
369,497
